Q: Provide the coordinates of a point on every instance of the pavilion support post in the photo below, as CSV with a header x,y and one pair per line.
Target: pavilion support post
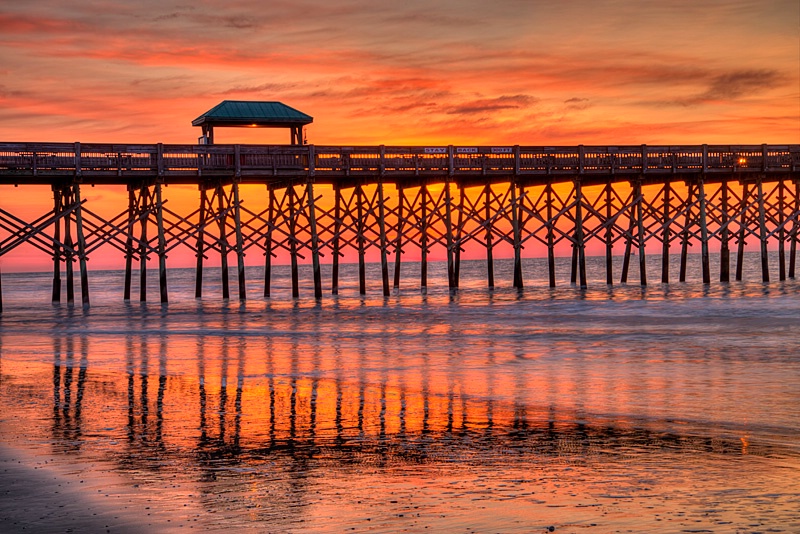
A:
x,y
742,232
704,256
516,212
361,241
56,248
222,220
609,237
551,255
312,222
268,242
459,230
579,234
665,232
423,240
781,231
293,241
489,253
762,234
382,230
129,243
793,233
81,247
144,216
237,222
398,249
448,222
687,221
162,246
337,229
641,236
724,248
201,230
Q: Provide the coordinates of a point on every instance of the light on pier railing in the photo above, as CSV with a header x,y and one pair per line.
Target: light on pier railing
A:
x,y
742,161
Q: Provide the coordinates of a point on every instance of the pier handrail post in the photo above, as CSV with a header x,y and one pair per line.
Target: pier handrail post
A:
x,y
581,158
160,159
705,159
644,159
77,149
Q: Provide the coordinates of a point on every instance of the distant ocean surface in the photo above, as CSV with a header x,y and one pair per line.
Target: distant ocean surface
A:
x,y
665,408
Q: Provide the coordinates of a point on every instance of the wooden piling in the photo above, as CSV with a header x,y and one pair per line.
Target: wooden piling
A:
x,y
312,222
268,243
724,248
162,246
551,255
337,229
293,241
383,242
56,296
398,249
793,233
489,253
201,229
144,215
458,237
128,243
69,248
742,232
609,236
626,257
665,232
222,222
781,231
685,232
237,226
641,236
448,224
516,211
423,239
361,241
704,256
579,234
762,227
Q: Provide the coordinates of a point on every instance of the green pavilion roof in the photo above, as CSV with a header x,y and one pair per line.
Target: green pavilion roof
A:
x,y
249,113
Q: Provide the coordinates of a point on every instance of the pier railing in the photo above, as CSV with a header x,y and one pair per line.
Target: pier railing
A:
x,y
109,161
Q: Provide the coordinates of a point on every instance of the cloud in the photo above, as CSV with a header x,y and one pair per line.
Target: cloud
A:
x,y
734,85
492,104
577,104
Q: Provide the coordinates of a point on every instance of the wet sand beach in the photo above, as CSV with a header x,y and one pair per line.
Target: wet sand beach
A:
x,y
665,409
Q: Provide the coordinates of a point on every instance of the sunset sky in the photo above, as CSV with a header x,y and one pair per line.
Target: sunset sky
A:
x,y
470,71
383,72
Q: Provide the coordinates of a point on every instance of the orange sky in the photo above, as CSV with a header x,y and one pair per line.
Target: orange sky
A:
x,y
468,72
516,72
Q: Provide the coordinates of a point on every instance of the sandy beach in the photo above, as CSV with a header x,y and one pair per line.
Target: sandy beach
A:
x,y
38,497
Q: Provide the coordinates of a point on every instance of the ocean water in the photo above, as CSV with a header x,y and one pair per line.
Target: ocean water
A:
x,y
666,408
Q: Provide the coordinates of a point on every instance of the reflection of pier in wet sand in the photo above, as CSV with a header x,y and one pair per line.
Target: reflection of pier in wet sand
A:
x,y
391,200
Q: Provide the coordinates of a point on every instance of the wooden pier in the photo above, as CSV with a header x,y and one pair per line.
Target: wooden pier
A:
x,y
323,201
